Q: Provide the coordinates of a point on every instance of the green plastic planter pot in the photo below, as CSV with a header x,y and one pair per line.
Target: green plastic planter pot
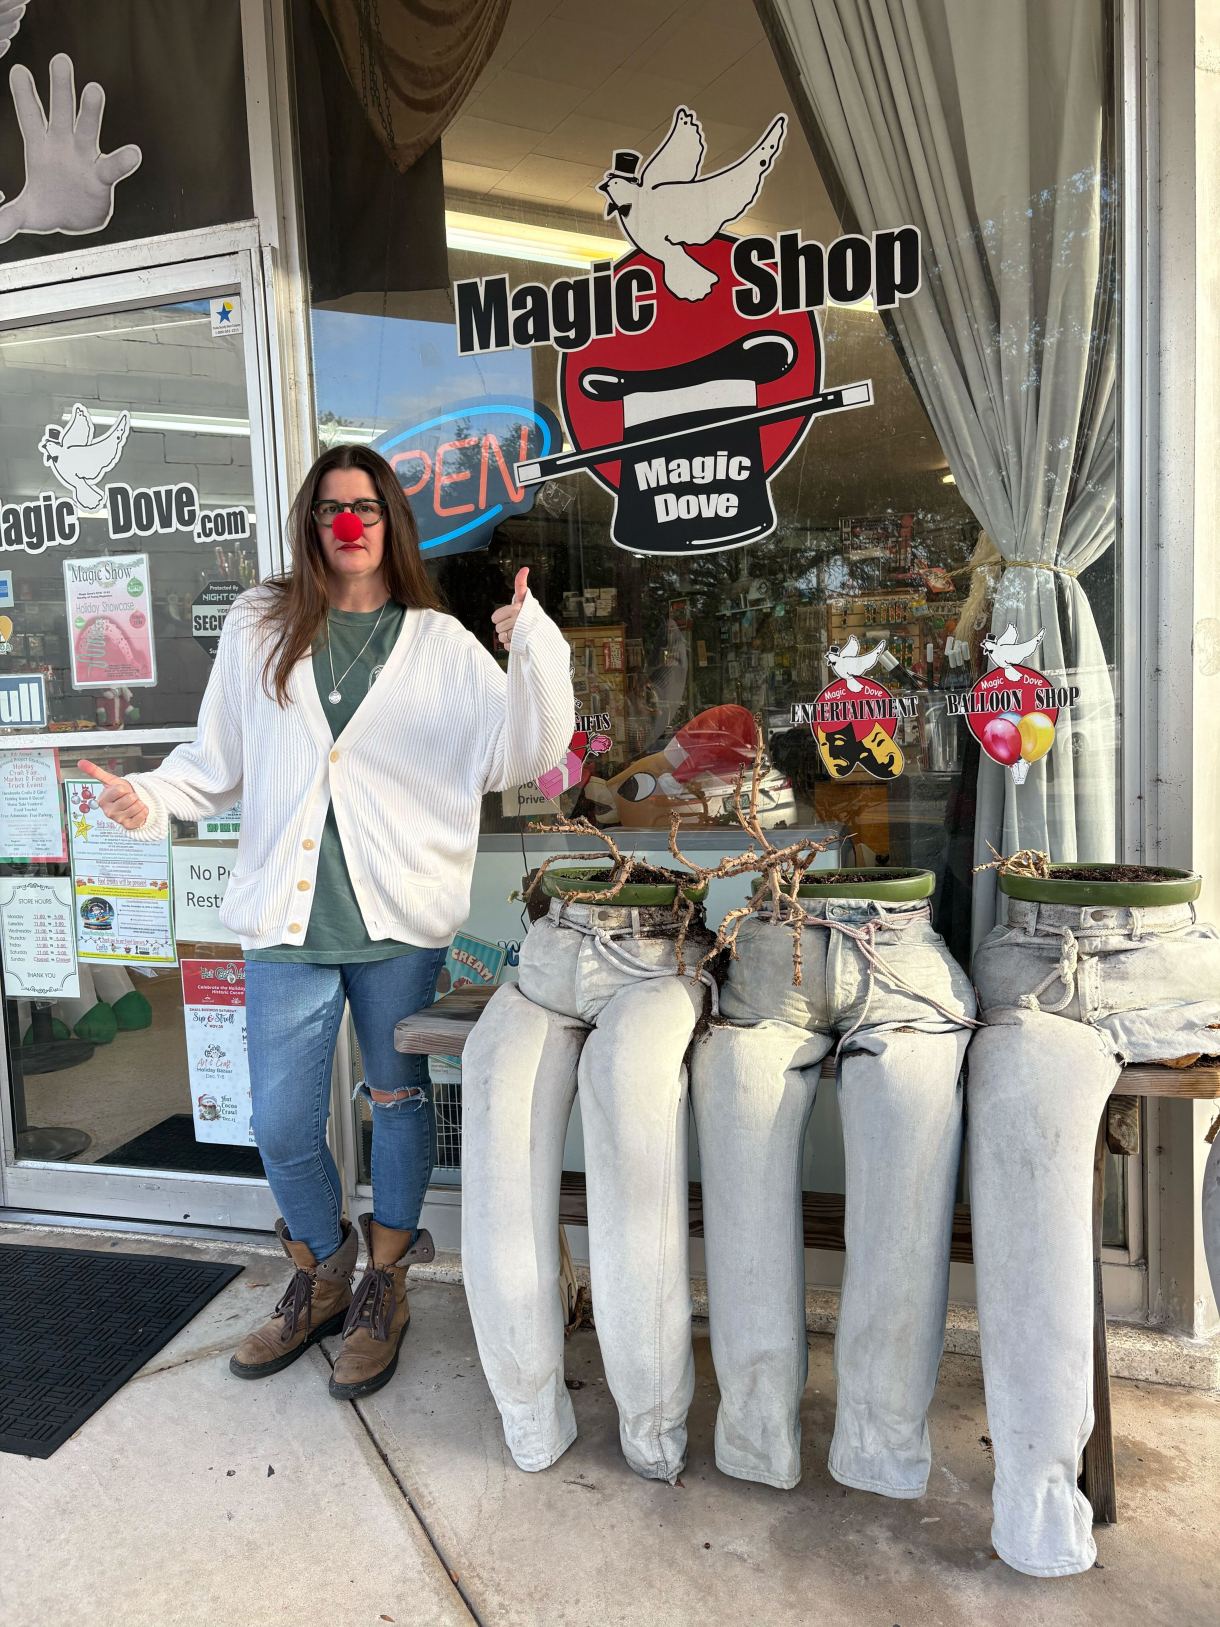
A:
x,y
883,885
562,881
1063,887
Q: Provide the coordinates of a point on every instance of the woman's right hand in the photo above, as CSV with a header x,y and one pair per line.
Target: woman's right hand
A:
x,y
118,800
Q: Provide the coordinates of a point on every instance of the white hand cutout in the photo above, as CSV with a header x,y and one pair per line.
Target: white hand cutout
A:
x,y
11,13
69,181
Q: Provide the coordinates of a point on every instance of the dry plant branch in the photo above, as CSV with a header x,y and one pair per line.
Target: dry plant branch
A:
x,y
781,869
1028,861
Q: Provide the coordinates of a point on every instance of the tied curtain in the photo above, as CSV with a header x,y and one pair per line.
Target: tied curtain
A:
x,y
983,122
413,63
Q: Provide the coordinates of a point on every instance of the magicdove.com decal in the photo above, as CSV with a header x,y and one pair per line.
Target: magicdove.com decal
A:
x,y
79,455
691,368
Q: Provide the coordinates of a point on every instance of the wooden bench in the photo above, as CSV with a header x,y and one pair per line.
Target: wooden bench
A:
x,y
442,1030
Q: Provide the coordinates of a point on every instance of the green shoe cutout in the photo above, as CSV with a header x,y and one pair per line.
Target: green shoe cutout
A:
x,y
98,1025
58,1031
132,1011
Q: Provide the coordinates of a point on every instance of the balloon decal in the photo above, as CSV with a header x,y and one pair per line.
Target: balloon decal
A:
x,y
1013,710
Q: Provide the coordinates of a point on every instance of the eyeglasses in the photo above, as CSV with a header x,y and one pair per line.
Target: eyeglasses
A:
x,y
368,510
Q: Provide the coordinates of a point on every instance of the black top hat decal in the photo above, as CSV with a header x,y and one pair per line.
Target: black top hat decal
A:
x,y
760,358
625,163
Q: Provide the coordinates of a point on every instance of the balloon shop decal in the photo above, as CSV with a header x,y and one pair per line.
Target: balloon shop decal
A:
x,y
80,454
691,368
1012,710
855,718
592,739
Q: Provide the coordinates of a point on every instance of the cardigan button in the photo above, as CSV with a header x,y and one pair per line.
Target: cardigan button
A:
x,y
309,844
294,926
334,756
302,886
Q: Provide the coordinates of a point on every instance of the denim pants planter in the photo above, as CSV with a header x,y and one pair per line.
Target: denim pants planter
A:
x,y
599,1003
878,976
1069,995
293,1011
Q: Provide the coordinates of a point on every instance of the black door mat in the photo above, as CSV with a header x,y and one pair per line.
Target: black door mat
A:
x,y
172,1145
75,1326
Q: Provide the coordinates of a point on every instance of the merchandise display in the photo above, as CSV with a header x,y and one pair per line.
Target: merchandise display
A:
x,y
1090,970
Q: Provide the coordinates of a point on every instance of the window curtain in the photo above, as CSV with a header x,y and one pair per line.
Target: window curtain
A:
x,y
413,63
983,122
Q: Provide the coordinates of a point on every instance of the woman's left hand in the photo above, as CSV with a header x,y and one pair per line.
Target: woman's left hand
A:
x,y
506,619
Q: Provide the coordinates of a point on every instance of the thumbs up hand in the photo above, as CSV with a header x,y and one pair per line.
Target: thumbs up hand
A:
x,y
505,619
118,800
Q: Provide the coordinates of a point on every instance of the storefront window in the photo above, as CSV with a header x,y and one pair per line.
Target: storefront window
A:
x,y
153,100
885,540
128,508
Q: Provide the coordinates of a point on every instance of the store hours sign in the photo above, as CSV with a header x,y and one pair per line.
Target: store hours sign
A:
x,y
692,368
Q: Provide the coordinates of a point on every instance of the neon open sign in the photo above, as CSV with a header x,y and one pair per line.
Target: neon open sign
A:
x,y
457,469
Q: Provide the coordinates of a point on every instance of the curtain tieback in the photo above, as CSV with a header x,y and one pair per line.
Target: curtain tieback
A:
x,y
1039,565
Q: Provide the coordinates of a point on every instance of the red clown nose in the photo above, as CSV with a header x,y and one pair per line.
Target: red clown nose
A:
x,y
348,526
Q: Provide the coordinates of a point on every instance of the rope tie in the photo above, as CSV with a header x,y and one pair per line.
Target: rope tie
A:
x,y
865,940
618,957
1040,565
1064,973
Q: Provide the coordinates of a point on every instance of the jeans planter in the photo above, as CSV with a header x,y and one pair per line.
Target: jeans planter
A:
x,y
879,980
1094,967
599,1005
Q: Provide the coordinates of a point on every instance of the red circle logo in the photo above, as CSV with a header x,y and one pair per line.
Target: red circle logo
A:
x,y
665,373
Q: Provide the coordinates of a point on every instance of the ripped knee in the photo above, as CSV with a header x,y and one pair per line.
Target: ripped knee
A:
x,y
405,1096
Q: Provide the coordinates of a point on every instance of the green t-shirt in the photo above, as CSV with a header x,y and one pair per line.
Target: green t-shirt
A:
x,y
336,927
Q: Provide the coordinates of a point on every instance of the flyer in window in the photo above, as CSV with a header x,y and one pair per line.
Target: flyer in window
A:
x,y
214,1012
38,939
121,889
110,632
31,814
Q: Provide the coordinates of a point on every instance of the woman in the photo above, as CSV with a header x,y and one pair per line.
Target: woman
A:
x,y
360,726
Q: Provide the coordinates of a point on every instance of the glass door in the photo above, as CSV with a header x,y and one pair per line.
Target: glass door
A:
x,y
137,499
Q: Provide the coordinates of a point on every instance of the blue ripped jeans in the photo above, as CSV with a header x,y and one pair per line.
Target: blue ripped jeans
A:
x,y
293,1011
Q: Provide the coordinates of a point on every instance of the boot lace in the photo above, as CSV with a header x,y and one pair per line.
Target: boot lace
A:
x,y
372,1304
295,1302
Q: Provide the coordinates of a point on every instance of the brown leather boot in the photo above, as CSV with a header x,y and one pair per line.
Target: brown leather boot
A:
x,y
379,1311
312,1307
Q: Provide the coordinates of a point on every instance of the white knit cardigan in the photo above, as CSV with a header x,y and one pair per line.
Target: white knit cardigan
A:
x,y
442,725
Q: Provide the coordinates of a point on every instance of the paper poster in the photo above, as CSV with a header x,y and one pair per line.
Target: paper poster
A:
x,y
214,1013
121,889
110,622
38,938
201,875
31,818
222,825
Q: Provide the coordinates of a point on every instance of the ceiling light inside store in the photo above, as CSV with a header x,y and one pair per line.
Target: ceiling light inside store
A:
x,y
517,240
179,423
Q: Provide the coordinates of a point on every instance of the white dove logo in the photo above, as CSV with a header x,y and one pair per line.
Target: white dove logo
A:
x,y
669,204
78,460
1006,652
850,665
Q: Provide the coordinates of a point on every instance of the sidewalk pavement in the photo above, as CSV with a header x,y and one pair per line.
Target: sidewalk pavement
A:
x,y
195,1498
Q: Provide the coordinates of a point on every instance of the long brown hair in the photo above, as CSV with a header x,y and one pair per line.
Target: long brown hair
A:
x,y
301,598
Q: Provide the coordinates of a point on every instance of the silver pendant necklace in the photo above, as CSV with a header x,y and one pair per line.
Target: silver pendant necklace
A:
x,y
335,697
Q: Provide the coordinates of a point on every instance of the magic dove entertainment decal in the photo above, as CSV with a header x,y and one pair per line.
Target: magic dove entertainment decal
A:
x,y
692,368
